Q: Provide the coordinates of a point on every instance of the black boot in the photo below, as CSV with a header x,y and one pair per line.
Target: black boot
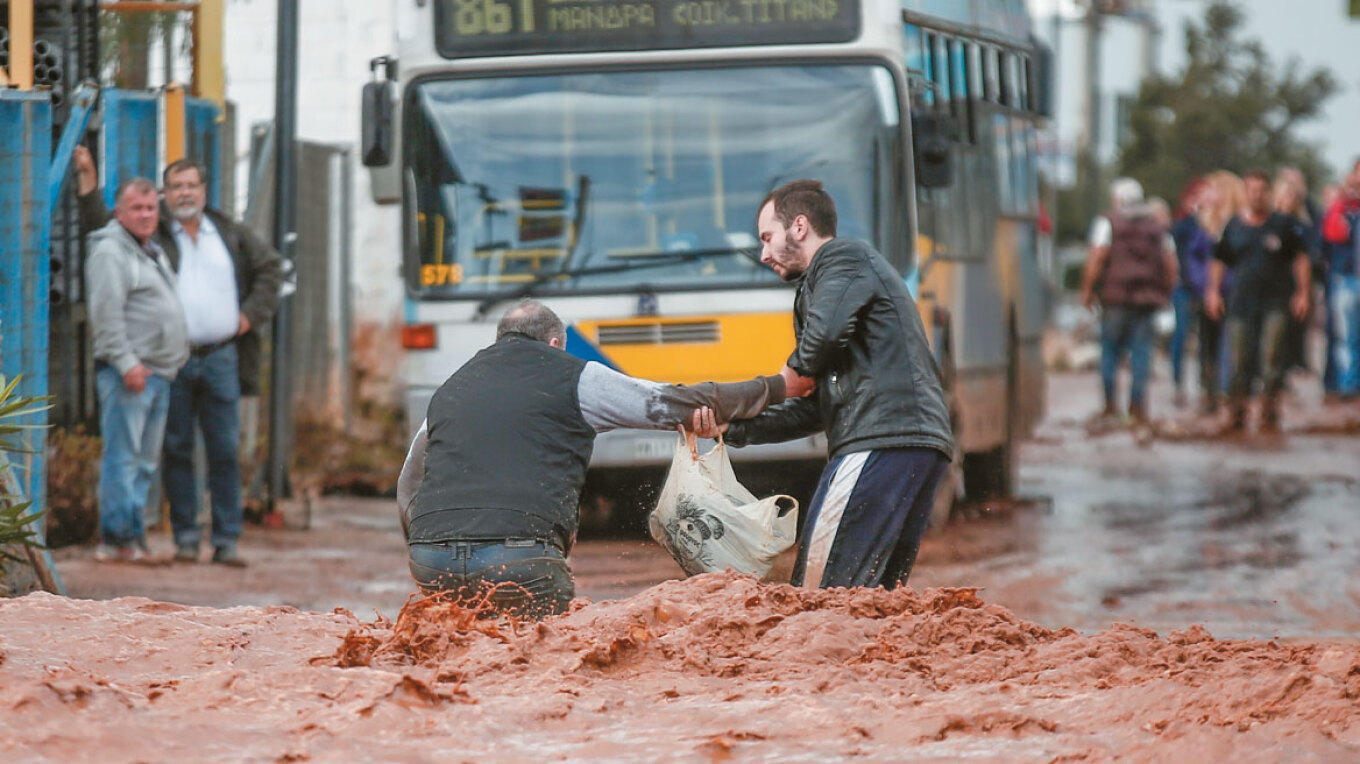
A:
x,y
1270,415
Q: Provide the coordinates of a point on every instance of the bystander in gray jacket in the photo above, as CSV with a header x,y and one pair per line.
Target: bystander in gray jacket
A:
x,y
134,310
259,275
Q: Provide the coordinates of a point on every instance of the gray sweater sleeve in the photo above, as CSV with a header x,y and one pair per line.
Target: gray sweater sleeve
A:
x,y
412,475
106,280
610,400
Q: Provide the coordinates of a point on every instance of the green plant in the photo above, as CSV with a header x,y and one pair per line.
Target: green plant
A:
x,y
16,527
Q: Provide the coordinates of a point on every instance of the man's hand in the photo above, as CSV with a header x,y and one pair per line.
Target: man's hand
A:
x,y
135,379
1299,304
1213,304
796,386
87,178
244,326
1088,299
704,423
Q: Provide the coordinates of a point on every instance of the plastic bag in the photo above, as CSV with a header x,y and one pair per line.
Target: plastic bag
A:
x,y
709,522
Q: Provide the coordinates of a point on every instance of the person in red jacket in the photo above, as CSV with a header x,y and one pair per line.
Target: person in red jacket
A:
x,y
1341,242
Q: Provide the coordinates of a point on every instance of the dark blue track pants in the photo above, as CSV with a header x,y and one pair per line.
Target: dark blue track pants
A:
x,y
865,523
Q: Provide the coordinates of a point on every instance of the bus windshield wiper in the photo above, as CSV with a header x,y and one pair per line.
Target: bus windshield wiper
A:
x,y
633,261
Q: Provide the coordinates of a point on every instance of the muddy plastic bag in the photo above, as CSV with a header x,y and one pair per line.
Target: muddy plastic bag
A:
x,y
709,522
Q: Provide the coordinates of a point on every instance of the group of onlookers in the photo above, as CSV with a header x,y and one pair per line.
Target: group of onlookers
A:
x,y
1240,263
177,293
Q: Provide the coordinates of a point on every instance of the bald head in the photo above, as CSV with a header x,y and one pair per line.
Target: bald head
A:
x,y
536,320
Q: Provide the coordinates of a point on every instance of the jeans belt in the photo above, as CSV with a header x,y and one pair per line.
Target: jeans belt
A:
x,y
511,543
202,350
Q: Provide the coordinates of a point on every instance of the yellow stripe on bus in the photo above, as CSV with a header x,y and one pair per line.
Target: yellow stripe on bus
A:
x,y
747,345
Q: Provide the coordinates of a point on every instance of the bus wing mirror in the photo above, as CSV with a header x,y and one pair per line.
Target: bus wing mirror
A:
x,y
931,150
376,134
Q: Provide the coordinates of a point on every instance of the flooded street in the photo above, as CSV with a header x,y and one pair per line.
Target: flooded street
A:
x,y
1190,600
1256,537
1249,538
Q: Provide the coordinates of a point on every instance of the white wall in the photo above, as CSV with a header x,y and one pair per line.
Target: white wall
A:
x,y
336,39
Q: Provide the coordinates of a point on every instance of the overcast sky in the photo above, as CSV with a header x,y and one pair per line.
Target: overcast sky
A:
x,y
1318,32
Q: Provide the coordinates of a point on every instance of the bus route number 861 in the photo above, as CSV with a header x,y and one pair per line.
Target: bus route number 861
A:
x,y
475,17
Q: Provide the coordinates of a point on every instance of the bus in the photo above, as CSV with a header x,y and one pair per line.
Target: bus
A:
x,y
608,156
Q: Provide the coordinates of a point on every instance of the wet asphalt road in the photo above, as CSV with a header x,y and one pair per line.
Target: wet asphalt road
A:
x,y
1251,538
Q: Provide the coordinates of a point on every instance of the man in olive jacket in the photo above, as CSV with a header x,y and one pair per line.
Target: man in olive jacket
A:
x,y
877,396
228,281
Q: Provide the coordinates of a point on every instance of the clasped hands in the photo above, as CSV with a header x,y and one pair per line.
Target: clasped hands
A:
x,y
704,423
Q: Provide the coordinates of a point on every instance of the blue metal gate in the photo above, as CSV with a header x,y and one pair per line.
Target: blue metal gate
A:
x,y
25,270
203,142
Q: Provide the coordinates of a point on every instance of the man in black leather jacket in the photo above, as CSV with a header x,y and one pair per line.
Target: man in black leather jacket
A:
x,y
863,373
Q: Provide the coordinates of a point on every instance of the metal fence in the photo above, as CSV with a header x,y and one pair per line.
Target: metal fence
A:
x,y
25,269
321,307
25,275
322,319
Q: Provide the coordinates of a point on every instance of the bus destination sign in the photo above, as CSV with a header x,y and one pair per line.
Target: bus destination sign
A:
x,y
468,28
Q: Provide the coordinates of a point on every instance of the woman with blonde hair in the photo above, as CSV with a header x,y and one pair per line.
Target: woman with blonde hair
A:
x,y
1221,196
1226,196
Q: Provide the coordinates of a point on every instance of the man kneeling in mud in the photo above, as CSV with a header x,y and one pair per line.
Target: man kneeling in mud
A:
x,y
489,491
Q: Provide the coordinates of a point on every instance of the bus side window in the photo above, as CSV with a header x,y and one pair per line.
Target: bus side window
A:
x,y
1004,63
1027,83
939,59
917,56
973,75
958,69
991,81
931,64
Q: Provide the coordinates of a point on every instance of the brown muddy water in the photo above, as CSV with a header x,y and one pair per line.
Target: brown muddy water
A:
x,y
1187,599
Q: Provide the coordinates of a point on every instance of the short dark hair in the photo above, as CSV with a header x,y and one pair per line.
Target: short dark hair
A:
x,y
534,319
804,197
1258,174
139,184
179,165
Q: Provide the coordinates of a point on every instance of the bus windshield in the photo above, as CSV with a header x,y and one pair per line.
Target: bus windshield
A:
x,y
634,180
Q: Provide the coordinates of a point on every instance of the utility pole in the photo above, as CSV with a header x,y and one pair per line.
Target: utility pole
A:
x,y
285,236
1152,39
1088,160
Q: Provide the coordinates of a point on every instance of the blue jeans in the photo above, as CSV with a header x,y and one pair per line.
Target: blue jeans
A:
x,y
132,426
1343,309
1187,308
207,392
535,577
1126,330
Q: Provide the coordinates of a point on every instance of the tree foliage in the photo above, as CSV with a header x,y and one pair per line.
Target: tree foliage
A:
x,y
1230,108
126,40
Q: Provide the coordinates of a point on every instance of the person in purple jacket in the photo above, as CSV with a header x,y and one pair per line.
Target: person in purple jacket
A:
x,y
1194,251
1193,248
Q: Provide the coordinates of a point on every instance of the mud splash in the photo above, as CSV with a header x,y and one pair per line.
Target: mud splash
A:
x,y
705,669
702,669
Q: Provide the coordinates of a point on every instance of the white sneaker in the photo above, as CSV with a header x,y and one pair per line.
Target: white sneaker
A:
x,y
112,553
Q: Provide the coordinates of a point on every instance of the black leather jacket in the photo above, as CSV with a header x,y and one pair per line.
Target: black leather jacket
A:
x,y
860,336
